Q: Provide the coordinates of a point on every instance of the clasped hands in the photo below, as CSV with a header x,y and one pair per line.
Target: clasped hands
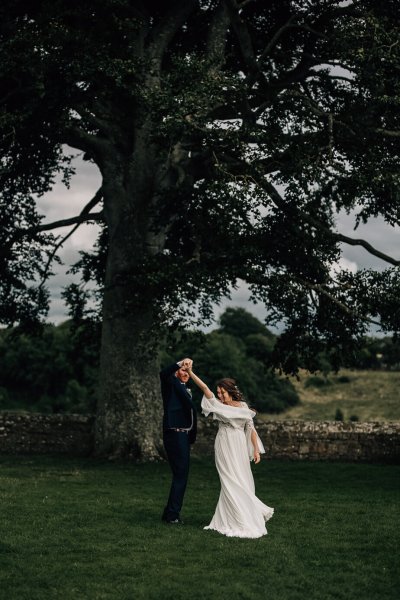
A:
x,y
187,364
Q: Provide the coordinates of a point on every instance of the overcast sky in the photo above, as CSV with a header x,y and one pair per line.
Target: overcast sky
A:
x,y
62,203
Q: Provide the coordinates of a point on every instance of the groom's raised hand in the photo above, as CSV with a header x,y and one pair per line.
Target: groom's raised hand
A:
x,y
187,364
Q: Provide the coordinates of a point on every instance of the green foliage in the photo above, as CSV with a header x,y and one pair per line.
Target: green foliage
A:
x,y
317,381
4,398
196,116
238,349
377,353
241,324
368,353
56,369
339,416
53,370
260,347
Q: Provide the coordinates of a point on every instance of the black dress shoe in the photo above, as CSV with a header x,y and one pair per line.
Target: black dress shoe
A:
x,y
166,518
174,521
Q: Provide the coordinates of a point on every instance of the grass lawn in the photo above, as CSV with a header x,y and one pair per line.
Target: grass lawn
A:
x,y
77,528
370,395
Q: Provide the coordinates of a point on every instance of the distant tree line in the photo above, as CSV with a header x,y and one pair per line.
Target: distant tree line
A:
x,y
241,348
372,353
56,368
378,353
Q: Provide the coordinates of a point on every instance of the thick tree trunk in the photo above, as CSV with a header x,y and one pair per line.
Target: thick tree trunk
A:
x,y
129,410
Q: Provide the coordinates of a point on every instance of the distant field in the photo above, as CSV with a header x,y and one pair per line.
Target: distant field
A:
x,y
370,395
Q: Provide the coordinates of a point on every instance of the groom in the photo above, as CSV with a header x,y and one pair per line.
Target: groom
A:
x,y
179,431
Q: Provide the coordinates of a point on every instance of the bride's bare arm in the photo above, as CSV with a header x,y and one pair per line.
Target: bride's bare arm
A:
x,y
204,388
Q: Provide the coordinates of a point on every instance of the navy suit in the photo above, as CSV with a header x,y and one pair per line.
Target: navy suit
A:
x,y
179,413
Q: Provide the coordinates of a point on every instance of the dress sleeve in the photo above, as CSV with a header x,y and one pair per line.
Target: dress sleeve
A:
x,y
225,412
248,428
209,405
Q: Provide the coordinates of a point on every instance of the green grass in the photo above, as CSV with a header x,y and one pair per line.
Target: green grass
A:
x,y
76,529
371,395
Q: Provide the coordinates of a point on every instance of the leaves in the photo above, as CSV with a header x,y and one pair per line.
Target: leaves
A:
x,y
241,348
227,139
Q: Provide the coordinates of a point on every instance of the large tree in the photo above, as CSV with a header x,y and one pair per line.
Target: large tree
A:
x,y
228,134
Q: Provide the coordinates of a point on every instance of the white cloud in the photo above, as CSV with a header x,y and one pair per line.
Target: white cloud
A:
x,y
345,263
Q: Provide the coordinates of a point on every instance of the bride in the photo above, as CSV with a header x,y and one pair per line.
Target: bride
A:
x,y
239,513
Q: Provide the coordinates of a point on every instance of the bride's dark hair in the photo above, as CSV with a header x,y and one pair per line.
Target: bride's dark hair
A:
x,y
230,386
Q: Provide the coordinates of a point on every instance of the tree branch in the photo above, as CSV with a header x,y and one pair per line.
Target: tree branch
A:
x,y
317,110
299,73
249,171
302,69
84,216
243,36
165,30
53,253
319,288
95,121
367,246
387,132
279,201
216,40
338,236
275,38
76,137
86,211
65,222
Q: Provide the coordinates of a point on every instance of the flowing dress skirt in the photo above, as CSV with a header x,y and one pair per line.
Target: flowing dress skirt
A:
x,y
239,513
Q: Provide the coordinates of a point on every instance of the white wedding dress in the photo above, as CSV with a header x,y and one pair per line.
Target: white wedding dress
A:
x,y
239,513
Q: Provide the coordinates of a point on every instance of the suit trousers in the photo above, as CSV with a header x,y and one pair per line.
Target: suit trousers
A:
x,y
177,447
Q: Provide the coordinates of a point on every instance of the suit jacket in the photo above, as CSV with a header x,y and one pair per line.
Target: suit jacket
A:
x,y
178,404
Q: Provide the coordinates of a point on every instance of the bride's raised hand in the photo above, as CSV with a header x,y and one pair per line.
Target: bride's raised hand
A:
x,y
187,364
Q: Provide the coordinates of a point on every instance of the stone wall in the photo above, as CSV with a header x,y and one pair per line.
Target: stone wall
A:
x,y
319,440
32,433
